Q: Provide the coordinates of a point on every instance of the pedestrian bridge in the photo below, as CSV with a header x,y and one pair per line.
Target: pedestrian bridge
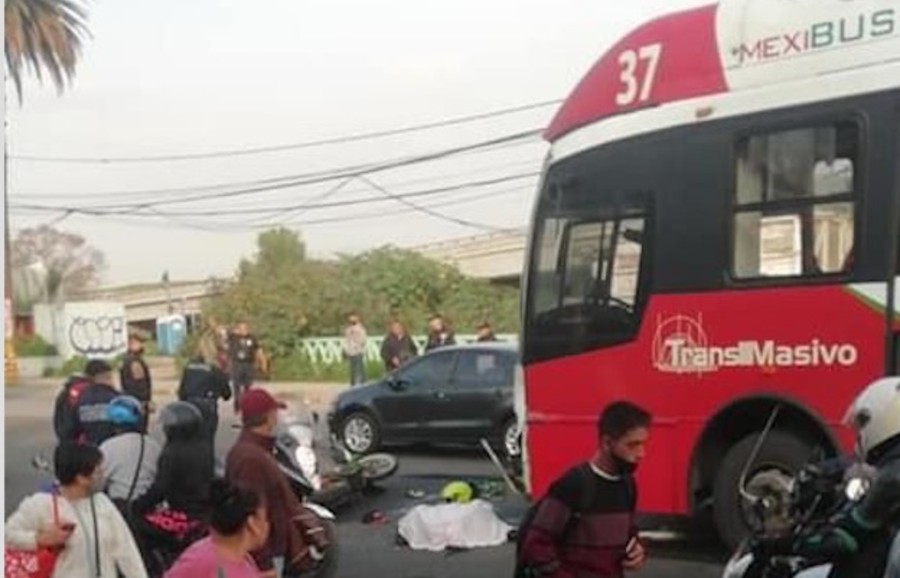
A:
x,y
497,257
146,302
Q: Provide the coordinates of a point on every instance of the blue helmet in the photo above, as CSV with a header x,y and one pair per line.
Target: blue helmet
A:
x,y
125,411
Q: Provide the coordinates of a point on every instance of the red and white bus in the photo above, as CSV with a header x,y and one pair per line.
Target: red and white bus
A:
x,y
716,235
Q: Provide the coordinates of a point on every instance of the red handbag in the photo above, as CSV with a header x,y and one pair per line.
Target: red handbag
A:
x,y
37,563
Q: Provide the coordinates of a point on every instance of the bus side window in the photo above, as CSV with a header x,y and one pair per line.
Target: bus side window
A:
x,y
795,203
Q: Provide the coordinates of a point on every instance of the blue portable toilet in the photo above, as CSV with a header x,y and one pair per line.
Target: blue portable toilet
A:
x,y
170,334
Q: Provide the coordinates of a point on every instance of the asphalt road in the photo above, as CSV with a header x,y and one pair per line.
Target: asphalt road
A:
x,y
365,550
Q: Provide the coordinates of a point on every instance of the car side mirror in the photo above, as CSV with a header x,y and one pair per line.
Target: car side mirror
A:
x,y
397,383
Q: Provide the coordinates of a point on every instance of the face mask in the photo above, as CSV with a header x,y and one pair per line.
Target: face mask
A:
x,y
624,466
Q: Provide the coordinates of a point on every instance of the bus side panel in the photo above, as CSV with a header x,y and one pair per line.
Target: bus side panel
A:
x,y
695,354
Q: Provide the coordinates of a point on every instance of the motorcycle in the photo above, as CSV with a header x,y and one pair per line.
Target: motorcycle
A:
x,y
818,493
295,451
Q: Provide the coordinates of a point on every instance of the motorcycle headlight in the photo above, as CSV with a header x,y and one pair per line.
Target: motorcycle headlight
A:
x,y
856,488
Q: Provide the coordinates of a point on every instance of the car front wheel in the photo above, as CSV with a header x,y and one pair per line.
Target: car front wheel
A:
x,y
359,433
512,439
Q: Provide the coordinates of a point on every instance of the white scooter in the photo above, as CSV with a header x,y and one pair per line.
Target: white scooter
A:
x,y
295,450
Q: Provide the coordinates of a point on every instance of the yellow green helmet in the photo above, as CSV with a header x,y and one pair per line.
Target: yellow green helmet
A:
x,y
459,492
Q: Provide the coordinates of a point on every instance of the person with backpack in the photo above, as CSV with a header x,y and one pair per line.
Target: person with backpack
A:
x,y
585,525
91,406
65,409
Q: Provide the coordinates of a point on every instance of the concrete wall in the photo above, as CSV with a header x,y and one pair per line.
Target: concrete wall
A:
x,y
92,329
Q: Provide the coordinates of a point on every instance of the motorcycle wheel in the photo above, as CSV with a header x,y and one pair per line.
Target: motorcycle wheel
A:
x,y
329,565
375,467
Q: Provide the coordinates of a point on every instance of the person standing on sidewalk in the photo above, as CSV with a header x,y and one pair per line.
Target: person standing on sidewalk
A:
x,y
486,333
243,350
355,349
397,347
439,335
134,375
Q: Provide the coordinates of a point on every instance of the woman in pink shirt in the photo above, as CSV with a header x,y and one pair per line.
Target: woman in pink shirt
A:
x,y
239,524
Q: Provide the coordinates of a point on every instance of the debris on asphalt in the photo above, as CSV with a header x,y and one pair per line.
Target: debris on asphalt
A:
x,y
374,517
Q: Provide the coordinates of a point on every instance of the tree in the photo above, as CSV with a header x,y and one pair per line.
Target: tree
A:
x,y
285,296
44,36
66,262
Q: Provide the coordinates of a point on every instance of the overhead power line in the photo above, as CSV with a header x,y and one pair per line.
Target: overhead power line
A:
x,y
167,221
336,172
286,183
427,210
286,147
136,211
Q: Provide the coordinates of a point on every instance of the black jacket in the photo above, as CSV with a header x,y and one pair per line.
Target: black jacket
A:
x,y
91,414
65,409
203,381
436,340
183,477
141,388
403,348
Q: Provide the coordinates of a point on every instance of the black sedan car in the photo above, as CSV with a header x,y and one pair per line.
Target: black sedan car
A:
x,y
455,395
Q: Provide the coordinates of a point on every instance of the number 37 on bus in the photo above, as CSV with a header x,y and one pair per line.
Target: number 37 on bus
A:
x,y
716,238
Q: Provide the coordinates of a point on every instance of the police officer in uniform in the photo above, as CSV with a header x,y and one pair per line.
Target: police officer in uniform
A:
x,y
243,351
202,385
134,376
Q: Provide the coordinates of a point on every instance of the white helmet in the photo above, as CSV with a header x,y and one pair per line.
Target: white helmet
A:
x,y
875,415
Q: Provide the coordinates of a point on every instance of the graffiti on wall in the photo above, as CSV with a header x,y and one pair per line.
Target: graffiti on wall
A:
x,y
328,350
97,335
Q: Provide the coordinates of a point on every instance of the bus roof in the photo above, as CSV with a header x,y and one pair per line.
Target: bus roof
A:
x,y
732,46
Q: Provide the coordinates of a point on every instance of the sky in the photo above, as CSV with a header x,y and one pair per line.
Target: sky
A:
x,y
169,77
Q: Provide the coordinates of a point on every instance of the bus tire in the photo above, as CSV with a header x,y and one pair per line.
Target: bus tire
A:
x,y
782,450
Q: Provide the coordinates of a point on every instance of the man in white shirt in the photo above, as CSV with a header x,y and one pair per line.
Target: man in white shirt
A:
x,y
355,349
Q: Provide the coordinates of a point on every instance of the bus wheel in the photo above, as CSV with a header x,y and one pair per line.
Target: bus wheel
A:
x,y
769,476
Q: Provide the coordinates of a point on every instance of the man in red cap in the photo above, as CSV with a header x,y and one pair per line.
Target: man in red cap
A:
x,y
251,464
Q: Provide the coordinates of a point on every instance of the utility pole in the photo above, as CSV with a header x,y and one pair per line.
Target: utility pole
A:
x,y
10,363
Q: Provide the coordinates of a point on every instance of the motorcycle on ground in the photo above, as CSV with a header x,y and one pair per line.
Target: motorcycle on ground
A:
x,y
295,452
352,475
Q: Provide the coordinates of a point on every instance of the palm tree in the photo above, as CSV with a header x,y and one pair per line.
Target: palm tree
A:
x,y
45,37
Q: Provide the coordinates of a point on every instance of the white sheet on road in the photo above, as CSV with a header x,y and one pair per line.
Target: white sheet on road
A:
x,y
435,528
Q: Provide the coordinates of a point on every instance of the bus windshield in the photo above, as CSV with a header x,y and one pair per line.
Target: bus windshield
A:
x,y
586,269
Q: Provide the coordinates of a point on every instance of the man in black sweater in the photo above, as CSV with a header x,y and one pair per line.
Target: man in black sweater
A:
x,y
585,525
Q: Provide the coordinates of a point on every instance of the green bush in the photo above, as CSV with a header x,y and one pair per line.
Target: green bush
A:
x,y
298,367
33,346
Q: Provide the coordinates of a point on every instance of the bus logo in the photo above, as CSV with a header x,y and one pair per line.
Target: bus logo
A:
x,y
819,36
682,346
